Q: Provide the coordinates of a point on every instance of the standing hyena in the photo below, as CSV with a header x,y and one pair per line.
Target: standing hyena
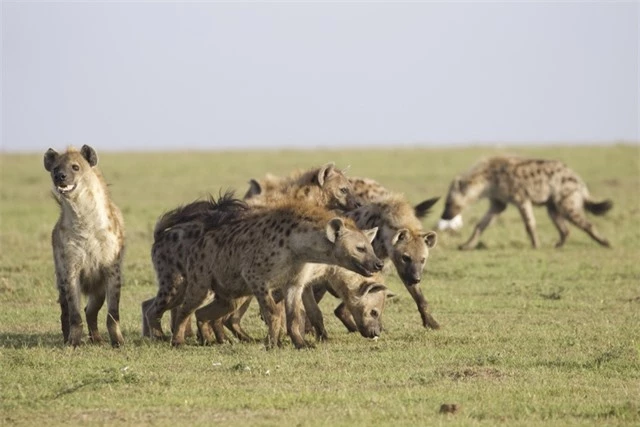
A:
x,y
88,244
264,248
524,183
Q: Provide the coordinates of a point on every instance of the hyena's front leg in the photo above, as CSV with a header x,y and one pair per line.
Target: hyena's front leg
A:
x,y
423,307
113,285
345,316
71,318
526,211
94,304
232,322
495,209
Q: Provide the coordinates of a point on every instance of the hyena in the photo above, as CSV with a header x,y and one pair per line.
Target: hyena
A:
x,y
88,244
524,183
367,190
260,249
402,240
363,300
363,303
176,231
324,186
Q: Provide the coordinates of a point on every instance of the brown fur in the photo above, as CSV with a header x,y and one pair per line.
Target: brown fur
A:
x,y
88,244
402,240
324,186
269,248
525,183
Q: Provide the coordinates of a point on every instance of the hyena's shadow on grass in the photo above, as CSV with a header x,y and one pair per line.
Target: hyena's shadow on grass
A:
x,y
30,339
54,339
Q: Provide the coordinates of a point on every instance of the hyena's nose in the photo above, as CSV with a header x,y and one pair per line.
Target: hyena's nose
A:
x,y
378,265
60,176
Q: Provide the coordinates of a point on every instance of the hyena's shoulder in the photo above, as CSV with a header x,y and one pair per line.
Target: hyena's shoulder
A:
x,y
367,190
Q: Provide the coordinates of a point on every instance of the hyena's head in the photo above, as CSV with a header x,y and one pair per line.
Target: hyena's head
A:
x,y
70,169
335,188
367,306
410,253
352,247
457,199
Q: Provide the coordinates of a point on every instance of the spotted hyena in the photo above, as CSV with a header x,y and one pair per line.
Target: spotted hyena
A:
x,y
88,244
258,249
367,190
363,300
524,183
402,240
325,186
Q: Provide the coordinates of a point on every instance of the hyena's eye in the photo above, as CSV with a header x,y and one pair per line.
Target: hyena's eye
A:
x,y
75,167
423,260
374,313
361,249
406,259
344,190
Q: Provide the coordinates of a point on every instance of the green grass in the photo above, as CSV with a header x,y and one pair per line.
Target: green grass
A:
x,y
529,337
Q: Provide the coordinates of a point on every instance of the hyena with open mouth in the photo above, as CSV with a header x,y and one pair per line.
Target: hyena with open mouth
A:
x,y
523,183
88,244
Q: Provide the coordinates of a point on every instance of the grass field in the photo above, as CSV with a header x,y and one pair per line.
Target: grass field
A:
x,y
529,337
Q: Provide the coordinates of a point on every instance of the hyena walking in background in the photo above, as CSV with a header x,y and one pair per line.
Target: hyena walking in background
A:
x,y
524,183
88,244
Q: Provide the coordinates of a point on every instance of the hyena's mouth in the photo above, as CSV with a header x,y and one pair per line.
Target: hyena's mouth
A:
x,y
361,269
66,189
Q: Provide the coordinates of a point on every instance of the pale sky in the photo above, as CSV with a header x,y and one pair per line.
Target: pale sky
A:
x,y
208,75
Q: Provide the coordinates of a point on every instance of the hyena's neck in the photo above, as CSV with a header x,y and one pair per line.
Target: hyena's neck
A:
x,y
311,245
88,206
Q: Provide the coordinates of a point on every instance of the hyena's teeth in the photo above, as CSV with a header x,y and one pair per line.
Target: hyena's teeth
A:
x,y
66,188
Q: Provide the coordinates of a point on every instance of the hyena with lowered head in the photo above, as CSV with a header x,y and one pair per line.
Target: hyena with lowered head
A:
x,y
259,249
523,183
88,244
402,240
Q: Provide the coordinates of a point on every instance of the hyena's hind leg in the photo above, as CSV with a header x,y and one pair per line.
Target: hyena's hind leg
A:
x,y
171,285
495,208
559,222
572,208
94,304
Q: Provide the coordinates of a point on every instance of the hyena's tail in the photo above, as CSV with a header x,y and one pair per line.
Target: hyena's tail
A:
x,y
423,209
182,214
598,208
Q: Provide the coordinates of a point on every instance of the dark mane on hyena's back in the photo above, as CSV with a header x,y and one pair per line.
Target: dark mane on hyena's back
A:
x,y
211,212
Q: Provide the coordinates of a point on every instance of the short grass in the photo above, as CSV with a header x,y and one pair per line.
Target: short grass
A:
x,y
529,337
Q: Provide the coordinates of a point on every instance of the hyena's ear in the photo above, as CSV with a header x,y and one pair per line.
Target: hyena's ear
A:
x,y
400,235
325,172
334,228
430,238
89,154
254,189
371,288
371,233
49,158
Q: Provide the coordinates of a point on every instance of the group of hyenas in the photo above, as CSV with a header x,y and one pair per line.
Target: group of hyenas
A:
x,y
287,242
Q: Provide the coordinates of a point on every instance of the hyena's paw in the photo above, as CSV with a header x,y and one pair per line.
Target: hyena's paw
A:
x,y
75,335
95,338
